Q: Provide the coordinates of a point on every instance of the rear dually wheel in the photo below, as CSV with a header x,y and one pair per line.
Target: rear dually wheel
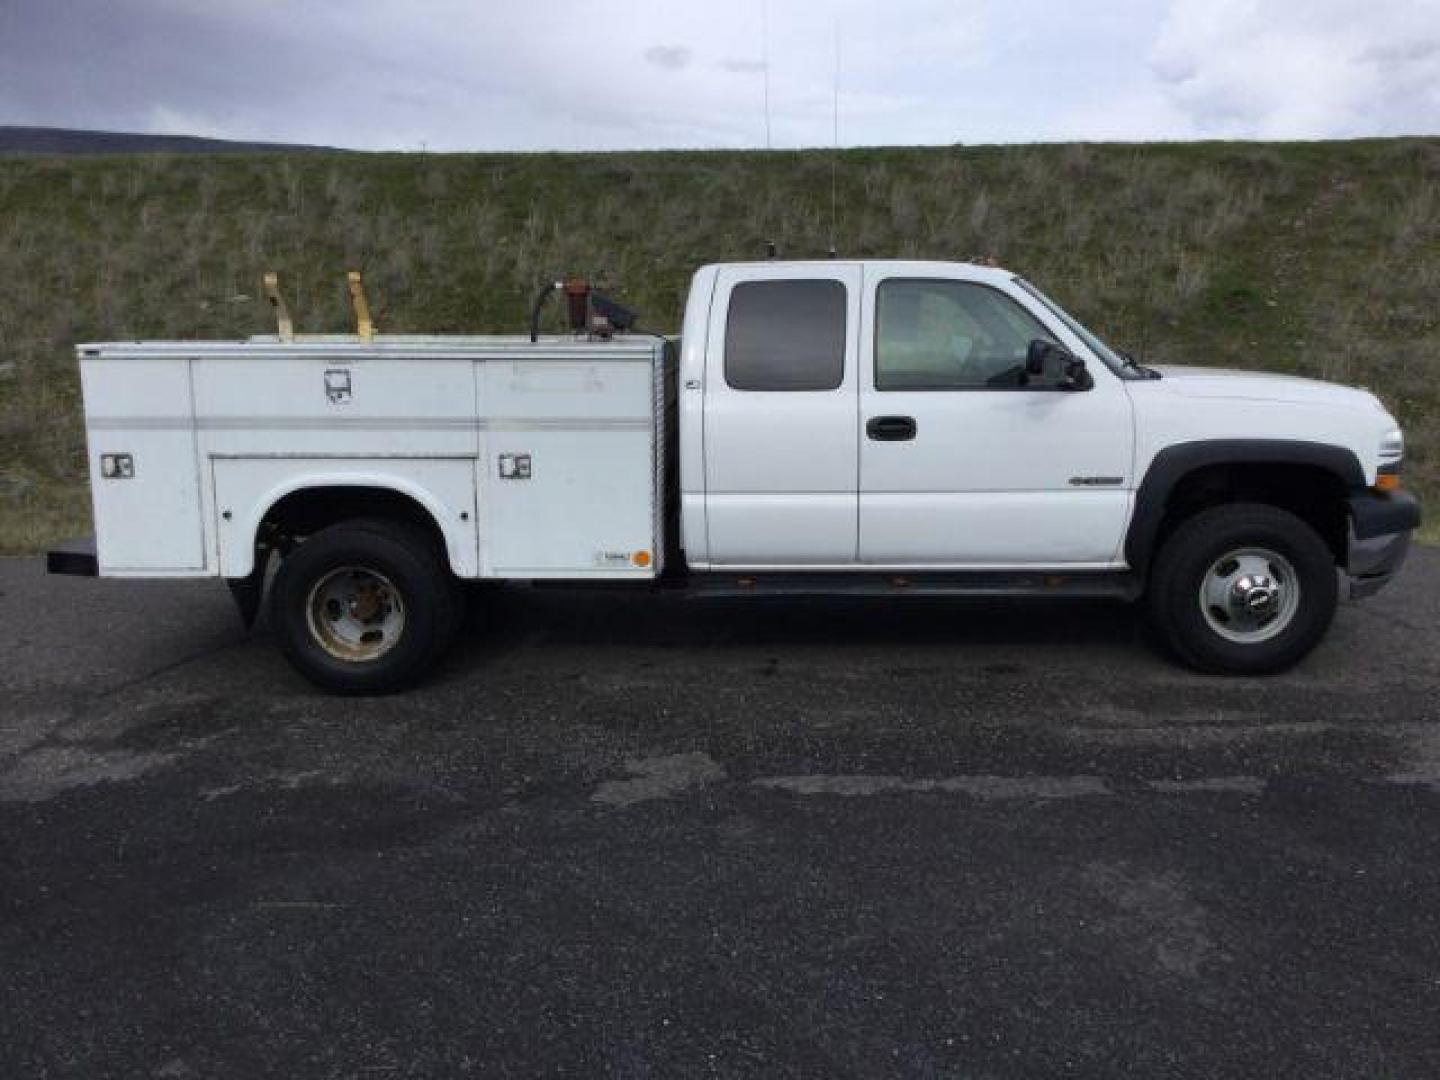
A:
x,y
365,606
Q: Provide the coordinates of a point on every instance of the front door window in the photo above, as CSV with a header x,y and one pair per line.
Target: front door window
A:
x,y
950,335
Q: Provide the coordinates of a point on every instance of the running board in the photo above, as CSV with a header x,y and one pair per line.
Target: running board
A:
x,y
1093,585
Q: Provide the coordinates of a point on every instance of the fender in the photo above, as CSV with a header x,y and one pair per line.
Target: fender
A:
x,y
1173,463
241,563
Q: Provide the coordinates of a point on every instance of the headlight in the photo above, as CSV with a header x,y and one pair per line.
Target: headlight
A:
x,y
1392,444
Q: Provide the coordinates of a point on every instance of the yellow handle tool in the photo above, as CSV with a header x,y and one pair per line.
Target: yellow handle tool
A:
x,y
363,324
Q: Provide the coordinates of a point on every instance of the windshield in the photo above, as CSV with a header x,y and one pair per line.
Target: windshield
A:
x,y
1113,360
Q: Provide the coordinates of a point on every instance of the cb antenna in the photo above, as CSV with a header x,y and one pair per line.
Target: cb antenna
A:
x,y
765,62
835,143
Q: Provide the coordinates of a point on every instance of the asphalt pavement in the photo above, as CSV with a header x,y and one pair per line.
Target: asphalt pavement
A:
x,y
642,836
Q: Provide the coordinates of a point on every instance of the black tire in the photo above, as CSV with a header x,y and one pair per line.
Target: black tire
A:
x,y
409,567
1184,565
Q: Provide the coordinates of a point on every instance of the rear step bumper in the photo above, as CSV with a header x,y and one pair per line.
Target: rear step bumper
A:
x,y
76,557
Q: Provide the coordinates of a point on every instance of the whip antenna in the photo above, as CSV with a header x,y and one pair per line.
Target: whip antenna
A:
x,y
765,62
835,143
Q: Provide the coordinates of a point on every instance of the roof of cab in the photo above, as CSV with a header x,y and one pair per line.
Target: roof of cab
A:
x,y
881,267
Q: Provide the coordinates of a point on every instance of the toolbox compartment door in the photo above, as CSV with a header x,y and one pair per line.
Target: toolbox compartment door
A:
x,y
569,487
144,470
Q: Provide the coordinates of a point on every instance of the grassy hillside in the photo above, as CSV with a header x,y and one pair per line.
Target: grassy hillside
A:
x,y
1322,259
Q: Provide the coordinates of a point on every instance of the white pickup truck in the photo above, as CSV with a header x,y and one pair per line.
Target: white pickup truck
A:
x,y
859,427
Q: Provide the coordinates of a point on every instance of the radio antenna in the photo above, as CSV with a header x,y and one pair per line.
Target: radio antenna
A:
x,y
765,62
835,143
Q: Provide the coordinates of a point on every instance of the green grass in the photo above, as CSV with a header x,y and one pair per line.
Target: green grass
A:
x,y
1317,258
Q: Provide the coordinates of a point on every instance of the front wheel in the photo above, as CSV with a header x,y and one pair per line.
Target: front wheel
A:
x,y
1243,589
365,606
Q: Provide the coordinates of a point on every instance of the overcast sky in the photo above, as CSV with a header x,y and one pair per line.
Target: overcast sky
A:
x,y
483,75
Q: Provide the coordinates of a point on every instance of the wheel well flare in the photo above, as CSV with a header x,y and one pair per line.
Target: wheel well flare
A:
x,y
306,511
1309,480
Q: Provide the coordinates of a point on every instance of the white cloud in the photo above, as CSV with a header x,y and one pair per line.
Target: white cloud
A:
x,y
673,57
482,74
1278,69
744,67
165,120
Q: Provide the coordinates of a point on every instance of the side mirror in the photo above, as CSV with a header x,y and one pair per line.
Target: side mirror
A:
x,y
1036,356
1057,366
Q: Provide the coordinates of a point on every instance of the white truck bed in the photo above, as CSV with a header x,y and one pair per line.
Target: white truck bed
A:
x,y
217,432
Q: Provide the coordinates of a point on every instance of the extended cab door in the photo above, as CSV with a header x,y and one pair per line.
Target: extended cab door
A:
x,y
963,465
780,442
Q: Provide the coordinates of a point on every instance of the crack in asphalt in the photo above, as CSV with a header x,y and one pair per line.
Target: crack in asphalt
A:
x,y
165,669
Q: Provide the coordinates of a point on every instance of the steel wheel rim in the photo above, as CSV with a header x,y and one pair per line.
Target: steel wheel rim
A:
x,y
1250,595
355,614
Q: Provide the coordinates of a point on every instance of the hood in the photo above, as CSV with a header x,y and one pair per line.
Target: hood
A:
x,y
1207,382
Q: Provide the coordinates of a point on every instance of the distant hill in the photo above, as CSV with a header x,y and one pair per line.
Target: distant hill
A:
x,y
67,141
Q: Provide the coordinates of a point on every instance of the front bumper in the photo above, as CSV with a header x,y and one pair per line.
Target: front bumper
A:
x,y
1379,538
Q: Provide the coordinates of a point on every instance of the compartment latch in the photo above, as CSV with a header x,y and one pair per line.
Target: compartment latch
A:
x,y
514,466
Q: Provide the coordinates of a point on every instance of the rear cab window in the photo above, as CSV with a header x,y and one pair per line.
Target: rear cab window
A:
x,y
786,335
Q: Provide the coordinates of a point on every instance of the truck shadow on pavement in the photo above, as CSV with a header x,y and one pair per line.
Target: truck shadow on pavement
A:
x,y
501,617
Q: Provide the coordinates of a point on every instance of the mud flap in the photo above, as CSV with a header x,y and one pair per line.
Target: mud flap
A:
x,y
248,591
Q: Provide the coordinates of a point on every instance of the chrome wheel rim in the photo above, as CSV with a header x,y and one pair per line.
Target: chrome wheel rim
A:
x,y
1250,595
354,614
